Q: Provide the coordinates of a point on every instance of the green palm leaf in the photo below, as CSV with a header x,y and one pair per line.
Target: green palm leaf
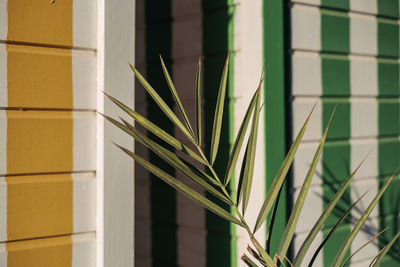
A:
x,y
385,250
219,110
343,250
298,206
182,188
239,139
251,153
334,228
198,102
363,246
324,216
176,96
160,133
280,177
163,106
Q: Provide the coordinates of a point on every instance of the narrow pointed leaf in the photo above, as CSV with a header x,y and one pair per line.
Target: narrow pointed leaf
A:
x,y
174,161
321,220
219,110
255,255
176,97
156,130
298,206
160,102
251,154
280,177
241,176
198,102
184,189
343,250
248,261
239,139
385,250
332,231
363,246
261,251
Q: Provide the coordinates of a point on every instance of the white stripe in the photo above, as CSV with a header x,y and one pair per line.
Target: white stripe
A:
x,y
3,142
84,195
364,117
363,34
306,28
3,209
84,23
301,109
247,72
84,250
302,163
298,241
367,6
3,20
306,74
84,148
371,226
363,76
84,79
360,149
3,76
3,255
312,209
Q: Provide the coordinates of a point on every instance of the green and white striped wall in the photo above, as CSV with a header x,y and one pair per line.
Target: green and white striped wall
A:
x,y
347,53
344,52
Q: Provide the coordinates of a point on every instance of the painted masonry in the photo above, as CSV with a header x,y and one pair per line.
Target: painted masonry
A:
x,y
343,51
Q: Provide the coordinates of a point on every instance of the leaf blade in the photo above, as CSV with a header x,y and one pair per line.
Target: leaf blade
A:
x,y
324,216
219,110
161,103
156,130
182,188
342,252
198,102
280,177
250,161
176,96
295,214
239,140
385,250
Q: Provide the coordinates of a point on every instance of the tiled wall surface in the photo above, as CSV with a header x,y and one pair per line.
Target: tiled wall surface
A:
x,y
47,133
346,53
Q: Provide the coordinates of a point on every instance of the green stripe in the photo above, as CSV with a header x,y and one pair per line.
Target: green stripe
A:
x,y
162,197
388,38
388,8
388,77
335,31
335,75
342,4
389,126
217,41
335,38
276,116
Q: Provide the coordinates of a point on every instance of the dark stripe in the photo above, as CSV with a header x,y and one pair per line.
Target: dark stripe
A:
x,y
335,31
342,4
277,126
335,75
388,38
389,126
335,38
217,41
162,197
388,8
388,78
